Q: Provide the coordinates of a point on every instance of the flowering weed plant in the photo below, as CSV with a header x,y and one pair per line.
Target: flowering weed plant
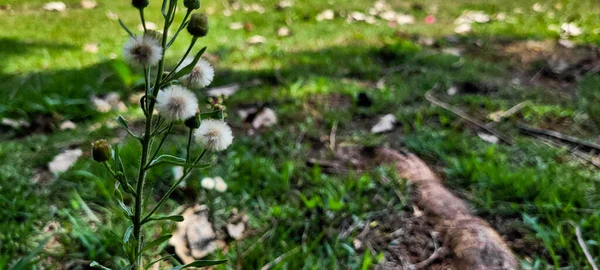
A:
x,y
169,94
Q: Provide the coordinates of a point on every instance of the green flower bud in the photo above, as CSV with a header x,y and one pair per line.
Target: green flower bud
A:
x,y
198,25
191,4
154,34
140,3
101,150
193,122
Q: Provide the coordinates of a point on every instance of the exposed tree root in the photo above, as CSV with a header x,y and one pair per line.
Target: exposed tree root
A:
x,y
474,244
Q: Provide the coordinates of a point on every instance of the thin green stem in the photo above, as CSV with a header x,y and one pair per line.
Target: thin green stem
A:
x,y
143,19
189,146
110,169
146,89
146,143
187,14
162,141
187,52
173,187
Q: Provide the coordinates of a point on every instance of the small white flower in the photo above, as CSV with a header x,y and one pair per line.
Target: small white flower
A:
x,y
215,135
208,183
220,184
201,75
142,51
176,103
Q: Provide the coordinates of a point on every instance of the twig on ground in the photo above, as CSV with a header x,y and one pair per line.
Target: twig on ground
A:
x,y
497,117
332,136
557,135
429,96
588,256
438,252
279,259
365,231
585,157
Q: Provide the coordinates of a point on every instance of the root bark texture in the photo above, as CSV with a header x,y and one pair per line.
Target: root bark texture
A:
x,y
472,241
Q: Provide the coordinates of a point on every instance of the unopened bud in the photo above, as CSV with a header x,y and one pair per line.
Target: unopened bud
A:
x,y
193,122
101,150
198,25
140,3
191,4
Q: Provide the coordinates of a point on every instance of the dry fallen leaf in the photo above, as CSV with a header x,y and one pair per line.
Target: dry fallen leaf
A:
x,y
236,25
55,6
91,47
88,4
567,43
194,237
236,231
265,118
386,123
67,125
149,26
463,28
225,90
357,16
283,31
285,4
403,19
472,16
488,138
111,15
571,29
15,123
63,161
452,91
254,40
110,101
326,15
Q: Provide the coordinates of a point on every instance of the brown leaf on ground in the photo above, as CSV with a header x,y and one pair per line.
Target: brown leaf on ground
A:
x,y
194,237
63,161
88,4
55,6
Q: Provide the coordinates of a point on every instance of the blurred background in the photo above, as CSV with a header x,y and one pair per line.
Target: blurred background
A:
x,y
303,81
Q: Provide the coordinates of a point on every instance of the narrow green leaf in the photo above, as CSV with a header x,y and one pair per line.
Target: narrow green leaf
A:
x,y
123,122
158,260
187,69
125,208
95,264
200,263
125,27
176,161
163,9
127,234
156,242
177,218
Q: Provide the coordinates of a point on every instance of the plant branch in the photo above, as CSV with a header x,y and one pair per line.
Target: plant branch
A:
x,y
173,187
187,52
189,146
143,19
162,141
183,23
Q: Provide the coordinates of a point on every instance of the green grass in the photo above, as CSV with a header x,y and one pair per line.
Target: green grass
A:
x,y
528,188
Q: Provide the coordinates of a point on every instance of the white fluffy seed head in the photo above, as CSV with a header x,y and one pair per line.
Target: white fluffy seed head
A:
x,y
220,184
176,103
201,75
142,51
208,183
214,135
